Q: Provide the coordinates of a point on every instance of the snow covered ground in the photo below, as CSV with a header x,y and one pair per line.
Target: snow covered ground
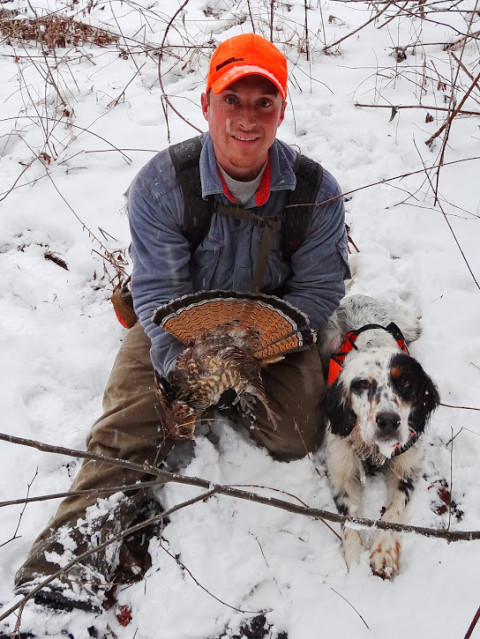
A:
x,y
75,128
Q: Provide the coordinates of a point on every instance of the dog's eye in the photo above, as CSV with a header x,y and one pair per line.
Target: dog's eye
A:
x,y
360,385
403,381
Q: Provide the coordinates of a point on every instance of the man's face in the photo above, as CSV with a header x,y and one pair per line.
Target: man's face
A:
x,y
243,122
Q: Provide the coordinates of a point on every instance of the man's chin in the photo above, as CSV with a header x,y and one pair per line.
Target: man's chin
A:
x,y
243,169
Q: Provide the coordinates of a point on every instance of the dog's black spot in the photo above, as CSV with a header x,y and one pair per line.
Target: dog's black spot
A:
x,y
371,467
341,502
411,382
414,386
404,371
406,486
359,385
341,417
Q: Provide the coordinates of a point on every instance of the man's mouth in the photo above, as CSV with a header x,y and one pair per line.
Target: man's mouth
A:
x,y
243,138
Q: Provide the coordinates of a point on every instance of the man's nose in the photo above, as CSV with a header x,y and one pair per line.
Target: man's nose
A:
x,y
247,116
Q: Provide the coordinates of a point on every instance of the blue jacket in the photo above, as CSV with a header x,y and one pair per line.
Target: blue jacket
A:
x,y
164,268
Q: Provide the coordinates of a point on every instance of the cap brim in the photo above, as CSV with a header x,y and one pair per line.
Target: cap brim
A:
x,y
238,72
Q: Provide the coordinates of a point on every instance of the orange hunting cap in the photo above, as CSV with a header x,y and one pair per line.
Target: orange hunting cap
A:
x,y
247,54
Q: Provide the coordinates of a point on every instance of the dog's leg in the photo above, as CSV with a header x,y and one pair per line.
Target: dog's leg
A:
x,y
345,475
386,544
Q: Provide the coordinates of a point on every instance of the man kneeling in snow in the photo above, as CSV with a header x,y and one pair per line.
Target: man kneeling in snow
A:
x,y
243,168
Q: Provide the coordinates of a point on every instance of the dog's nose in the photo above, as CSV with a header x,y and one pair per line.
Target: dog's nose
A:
x,y
388,423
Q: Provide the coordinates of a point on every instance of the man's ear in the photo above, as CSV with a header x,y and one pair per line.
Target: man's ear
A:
x,y
282,113
340,418
205,102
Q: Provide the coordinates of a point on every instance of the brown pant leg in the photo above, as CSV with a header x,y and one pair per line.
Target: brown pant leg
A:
x,y
129,429
294,387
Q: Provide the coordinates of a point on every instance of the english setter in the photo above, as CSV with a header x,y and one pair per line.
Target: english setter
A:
x,y
377,404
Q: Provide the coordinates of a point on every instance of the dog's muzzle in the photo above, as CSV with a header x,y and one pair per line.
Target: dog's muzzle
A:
x,y
388,423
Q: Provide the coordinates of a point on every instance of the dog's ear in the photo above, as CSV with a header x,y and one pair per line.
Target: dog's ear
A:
x,y
340,418
414,387
426,401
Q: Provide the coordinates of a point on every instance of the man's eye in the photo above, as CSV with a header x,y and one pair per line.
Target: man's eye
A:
x,y
230,99
360,385
265,103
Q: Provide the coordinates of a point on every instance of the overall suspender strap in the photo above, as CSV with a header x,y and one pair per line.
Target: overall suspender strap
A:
x,y
267,225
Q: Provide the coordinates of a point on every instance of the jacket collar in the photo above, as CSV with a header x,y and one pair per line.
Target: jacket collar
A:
x,y
281,178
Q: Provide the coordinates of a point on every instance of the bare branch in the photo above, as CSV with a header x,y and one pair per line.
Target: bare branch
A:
x,y
84,493
107,254
455,111
24,501
459,407
445,217
105,544
401,176
414,106
187,570
231,491
74,126
473,624
165,99
349,35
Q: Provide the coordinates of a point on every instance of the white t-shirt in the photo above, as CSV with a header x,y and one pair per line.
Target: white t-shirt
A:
x,y
242,191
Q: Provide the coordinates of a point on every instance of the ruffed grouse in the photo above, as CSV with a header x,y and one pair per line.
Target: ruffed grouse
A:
x,y
229,337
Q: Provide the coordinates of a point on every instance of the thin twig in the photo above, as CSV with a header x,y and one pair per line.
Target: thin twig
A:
x,y
401,176
115,101
189,572
461,41
229,491
307,44
272,14
252,21
350,604
349,35
414,106
471,628
449,121
459,407
445,217
102,546
74,126
455,112
165,100
451,481
106,253
25,502
84,493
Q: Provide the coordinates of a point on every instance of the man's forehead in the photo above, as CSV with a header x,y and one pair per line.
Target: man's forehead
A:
x,y
253,81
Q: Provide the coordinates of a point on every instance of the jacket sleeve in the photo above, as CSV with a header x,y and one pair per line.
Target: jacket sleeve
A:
x,y
159,252
320,265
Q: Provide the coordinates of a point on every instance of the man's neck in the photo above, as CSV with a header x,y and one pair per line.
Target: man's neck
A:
x,y
242,191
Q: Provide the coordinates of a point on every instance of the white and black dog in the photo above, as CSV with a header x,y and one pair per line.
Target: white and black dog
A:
x,y
377,404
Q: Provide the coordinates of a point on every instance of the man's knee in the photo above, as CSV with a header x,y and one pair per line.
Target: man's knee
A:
x,y
291,443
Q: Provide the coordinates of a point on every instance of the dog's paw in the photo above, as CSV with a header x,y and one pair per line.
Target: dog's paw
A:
x,y
352,546
385,554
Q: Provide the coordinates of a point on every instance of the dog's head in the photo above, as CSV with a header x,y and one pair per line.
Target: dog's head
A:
x,y
386,396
